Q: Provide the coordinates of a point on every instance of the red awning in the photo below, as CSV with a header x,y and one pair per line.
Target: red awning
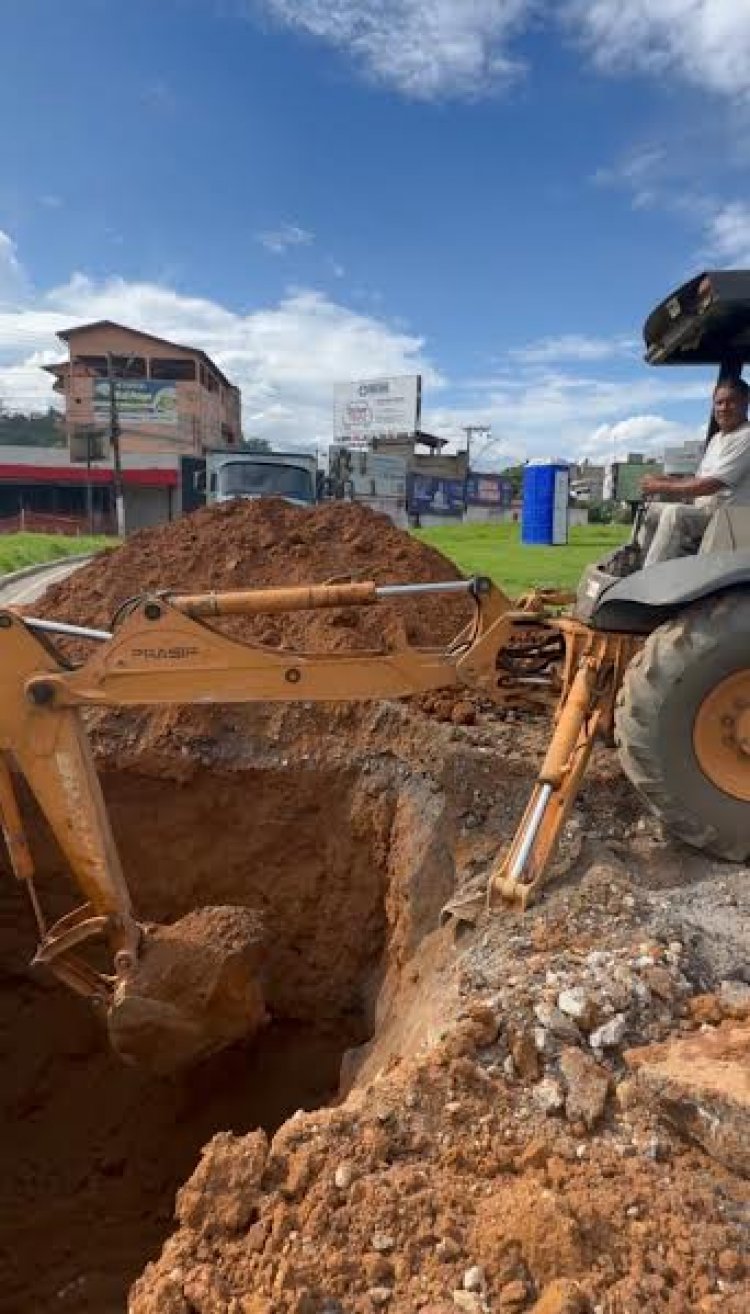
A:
x,y
71,474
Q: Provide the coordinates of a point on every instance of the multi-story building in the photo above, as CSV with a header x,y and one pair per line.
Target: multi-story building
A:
x,y
170,404
587,482
166,397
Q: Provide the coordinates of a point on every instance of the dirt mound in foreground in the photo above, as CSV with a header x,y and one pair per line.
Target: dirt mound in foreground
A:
x,y
430,1191
241,544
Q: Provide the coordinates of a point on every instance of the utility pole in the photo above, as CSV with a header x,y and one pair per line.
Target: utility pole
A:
x,y
71,434
114,438
89,489
470,430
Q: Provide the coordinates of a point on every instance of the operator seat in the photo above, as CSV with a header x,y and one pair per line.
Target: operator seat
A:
x,y
728,530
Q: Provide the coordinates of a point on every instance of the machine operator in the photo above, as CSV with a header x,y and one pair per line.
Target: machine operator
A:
x,y
675,528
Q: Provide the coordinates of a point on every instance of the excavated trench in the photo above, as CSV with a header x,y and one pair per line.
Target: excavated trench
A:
x,y
347,864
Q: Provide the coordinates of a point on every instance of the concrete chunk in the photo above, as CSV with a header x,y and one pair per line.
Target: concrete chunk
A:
x,y
702,1086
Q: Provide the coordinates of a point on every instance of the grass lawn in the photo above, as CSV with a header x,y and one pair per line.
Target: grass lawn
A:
x,y
496,550
18,550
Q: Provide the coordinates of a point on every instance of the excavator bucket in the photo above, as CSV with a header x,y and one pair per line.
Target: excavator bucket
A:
x,y
196,988
178,993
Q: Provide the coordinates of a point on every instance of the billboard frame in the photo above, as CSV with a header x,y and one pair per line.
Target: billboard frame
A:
x,y
387,406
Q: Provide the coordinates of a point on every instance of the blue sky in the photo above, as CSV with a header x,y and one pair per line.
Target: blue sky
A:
x,y
491,192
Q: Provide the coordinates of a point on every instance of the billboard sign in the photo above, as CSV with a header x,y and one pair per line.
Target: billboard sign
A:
x,y
685,459
489,490
361,474
376,408
623,479
139,402
436,497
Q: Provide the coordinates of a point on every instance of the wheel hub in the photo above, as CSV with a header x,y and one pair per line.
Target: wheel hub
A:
x,y
721,736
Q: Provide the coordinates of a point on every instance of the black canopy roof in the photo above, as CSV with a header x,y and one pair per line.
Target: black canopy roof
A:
x,y
705,322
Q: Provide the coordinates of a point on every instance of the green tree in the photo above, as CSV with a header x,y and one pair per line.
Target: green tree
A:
x,y
17,430
515,474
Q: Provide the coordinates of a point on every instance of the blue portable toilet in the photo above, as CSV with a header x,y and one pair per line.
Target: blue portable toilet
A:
x,y
544,515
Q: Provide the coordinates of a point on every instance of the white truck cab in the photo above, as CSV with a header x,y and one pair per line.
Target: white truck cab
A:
x,y
291,475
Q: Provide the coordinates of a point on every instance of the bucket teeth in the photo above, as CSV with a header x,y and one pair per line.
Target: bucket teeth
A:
x,y
465,910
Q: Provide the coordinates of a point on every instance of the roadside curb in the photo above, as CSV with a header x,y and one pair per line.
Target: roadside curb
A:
x,y
28,572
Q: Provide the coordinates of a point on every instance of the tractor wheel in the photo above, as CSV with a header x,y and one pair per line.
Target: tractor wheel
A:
x,y
682,724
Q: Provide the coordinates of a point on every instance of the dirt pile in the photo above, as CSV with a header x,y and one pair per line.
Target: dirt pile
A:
x,y
494,1153
516,1165
438,1189
269,543
453,1222
94,1151
342,847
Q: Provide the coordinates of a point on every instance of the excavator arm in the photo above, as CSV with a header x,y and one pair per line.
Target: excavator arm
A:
x,y
174,994
163,1007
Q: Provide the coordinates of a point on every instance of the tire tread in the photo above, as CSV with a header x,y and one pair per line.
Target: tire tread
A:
x,y
657,667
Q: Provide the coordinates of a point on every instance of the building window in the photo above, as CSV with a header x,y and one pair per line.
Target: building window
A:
x,y
164,368
209,380
129,367
123,367
95,364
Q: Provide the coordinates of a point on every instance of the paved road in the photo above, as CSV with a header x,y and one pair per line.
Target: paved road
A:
x,y
21,592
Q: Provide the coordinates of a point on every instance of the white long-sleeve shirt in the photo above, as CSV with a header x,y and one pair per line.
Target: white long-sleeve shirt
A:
x,y
727,459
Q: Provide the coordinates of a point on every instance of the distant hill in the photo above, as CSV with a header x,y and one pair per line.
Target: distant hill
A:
x,y
32,430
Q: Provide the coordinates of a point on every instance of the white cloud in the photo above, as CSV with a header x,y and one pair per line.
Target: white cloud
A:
x,y
705,42
635,168
279,240
670,181
648,434
728,234
533,412
285,357
641,171
13,281
573,347
428,49
424,48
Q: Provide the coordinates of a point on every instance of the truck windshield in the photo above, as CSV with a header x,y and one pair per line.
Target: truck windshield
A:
x,y
264,479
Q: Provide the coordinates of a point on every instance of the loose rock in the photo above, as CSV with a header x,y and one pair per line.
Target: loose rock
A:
x,y
474,1279
587,1087
580,1005
379,1296
222,1194
611,1034
344,1176
549,1095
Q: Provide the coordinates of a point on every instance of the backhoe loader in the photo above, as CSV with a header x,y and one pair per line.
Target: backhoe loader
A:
x,y
659,658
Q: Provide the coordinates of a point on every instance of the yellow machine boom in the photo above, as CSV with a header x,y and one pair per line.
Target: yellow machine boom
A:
x,y
164,652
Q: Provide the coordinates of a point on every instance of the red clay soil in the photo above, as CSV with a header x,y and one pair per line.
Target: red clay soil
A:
x,y
429,1192
93,1150
436,1189
241,544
